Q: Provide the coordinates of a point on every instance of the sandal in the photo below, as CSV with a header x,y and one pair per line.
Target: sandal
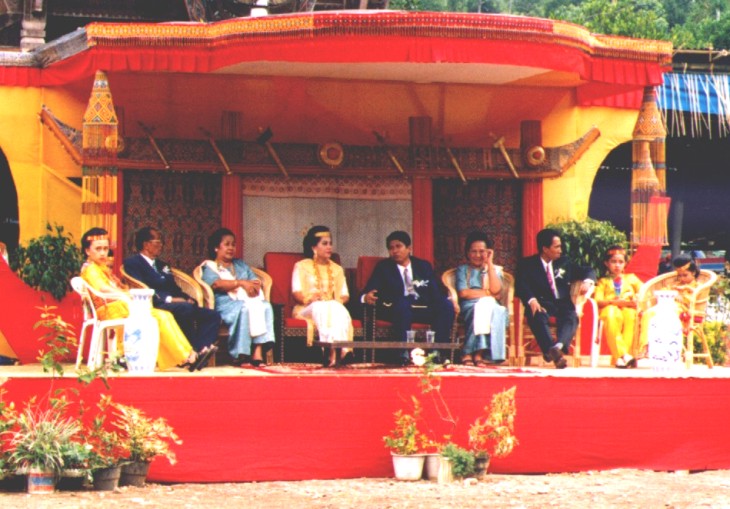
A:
x,y
480,363
467,361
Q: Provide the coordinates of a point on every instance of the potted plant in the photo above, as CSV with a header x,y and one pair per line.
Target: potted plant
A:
x,y
108,450
37,441
404,443
492,435
144,439
76,465
457,462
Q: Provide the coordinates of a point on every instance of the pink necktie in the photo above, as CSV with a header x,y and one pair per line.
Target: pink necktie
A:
x,y
549,270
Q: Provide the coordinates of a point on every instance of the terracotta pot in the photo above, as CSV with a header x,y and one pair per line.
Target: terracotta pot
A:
x,y
107,479
134,474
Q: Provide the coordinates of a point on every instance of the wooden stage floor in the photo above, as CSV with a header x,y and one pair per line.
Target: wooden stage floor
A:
x,y
292,422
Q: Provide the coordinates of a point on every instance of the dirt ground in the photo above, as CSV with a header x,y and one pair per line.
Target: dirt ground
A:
x,y
615,488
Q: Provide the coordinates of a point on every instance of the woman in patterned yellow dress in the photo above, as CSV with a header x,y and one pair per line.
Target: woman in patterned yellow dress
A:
x,y
320,289
615,296
174,347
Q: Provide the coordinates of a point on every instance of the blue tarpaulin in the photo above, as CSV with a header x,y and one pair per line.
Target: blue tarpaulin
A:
x,y
699,95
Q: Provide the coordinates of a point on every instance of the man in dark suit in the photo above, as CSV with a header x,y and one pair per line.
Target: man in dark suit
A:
x,y
405,289
200,325
543,285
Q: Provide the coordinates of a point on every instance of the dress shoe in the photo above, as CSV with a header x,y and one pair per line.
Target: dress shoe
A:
x,y
348,358
556,355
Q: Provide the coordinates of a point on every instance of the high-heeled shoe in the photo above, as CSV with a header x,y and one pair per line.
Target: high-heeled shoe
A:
x,y
203,358
257,362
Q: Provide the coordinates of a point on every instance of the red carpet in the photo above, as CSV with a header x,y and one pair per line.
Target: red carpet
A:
x,y
303,423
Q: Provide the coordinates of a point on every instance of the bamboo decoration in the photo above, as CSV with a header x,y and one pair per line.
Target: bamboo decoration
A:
x,y
500,145
455,163
649,207
99,151
264,139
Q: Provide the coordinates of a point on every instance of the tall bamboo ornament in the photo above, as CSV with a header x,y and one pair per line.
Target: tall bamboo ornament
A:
x,y
649,207
100,147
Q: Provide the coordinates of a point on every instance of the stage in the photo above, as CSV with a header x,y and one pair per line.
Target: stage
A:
x,y
294,422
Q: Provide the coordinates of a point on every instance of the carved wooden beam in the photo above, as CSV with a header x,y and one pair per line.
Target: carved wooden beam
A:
x,y
148,131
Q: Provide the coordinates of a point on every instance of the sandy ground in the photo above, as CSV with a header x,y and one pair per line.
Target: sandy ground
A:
x,y
615,488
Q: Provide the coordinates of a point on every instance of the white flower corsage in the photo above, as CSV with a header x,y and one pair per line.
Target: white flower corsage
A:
x,y
418,356
560,273
166,269
417,283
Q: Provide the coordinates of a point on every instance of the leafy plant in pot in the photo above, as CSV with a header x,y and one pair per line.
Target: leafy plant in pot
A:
x,y
108,449
144,439
76,467
37,442
492,435
404,442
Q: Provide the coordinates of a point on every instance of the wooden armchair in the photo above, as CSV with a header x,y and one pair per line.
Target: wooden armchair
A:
x,y
697,311
586,333
378,333
506,299
280,266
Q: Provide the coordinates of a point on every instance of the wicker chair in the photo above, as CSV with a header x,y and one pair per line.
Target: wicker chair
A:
x,y
506,299
697,311
208,301
186,283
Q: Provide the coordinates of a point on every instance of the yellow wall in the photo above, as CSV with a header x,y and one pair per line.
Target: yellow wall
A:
x,y
44,195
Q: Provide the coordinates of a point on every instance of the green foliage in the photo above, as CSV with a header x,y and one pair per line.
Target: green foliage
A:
x,y
405,438
716,336
493,433
462,461
631,18
48,262
586,242
39,438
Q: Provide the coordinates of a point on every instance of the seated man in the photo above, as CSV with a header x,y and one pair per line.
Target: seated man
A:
x,y
543,285
406,290
200,325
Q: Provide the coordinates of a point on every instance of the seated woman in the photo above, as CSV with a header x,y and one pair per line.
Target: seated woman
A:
x,y
685,286
479,284
615,296
320,289
174,350
239,299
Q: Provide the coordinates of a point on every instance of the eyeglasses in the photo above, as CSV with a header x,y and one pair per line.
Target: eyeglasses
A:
x,y
157,241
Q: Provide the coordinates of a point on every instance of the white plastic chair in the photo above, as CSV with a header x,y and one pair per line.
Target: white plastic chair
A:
x,y
99,328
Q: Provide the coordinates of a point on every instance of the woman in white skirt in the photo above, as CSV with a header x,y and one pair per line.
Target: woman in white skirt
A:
x,y
320,290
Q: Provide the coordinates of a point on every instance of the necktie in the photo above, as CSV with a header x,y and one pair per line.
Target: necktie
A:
x,y
549,270
409,282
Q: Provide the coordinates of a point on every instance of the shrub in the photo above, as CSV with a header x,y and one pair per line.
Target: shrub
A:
x,y
48,262
586,242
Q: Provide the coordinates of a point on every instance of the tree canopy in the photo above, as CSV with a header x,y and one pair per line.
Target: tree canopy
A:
x,y
689,24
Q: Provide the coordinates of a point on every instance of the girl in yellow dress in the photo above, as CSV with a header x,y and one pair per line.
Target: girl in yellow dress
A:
x,y
615,296
174,347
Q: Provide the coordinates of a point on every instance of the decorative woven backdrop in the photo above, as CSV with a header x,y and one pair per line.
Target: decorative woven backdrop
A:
x,y
186,207
360,212
484,205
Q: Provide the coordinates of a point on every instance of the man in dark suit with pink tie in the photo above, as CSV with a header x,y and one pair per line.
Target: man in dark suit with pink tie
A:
x,y
543,285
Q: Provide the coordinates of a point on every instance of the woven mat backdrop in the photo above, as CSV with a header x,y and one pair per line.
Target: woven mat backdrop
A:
x,y
361,212
484,205
186,207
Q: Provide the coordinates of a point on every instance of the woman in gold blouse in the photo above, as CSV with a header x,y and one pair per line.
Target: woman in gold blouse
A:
x,y
320,290
174,350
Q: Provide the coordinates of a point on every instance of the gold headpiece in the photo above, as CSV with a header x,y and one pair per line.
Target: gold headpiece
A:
x,y
322,234
616,250
92,238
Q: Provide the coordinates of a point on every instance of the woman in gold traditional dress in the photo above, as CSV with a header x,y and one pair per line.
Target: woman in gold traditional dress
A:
x,y
174,347
615,296
320,289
